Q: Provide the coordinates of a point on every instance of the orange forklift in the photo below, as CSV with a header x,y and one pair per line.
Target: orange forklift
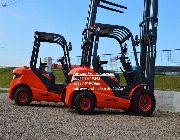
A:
x,y
98,88
36,84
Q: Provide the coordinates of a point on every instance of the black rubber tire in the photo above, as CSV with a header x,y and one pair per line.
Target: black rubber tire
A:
x,y
135,103
78,99
128,111
16,96
73,101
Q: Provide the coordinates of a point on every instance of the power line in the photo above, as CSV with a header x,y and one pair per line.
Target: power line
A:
x,y
8,3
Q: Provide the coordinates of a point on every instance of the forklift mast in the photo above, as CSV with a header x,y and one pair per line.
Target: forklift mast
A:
x,y
148,39
88,38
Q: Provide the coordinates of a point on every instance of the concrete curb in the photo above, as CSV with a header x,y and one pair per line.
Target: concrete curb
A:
x,y
167,101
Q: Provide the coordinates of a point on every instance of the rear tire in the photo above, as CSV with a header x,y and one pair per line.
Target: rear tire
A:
x,y
143,103
128,111
23,96
85,103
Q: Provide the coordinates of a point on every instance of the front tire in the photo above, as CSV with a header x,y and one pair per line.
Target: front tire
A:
x,y
85,103
143,103
23,96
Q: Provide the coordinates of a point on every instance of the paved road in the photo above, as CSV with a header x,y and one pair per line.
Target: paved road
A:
x,y
53,121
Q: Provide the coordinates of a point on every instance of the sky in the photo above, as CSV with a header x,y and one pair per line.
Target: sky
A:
x,y
18,23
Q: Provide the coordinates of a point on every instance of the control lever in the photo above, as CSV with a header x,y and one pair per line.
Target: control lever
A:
x,y
136,40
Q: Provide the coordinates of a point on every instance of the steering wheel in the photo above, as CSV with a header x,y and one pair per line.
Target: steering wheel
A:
x,y
42,65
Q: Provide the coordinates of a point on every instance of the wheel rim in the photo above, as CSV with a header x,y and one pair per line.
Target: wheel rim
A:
x,y
23,97
145,103
85,104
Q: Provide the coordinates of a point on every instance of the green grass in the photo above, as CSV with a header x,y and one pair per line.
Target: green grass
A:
x,y
59,76
162,82
167,82
5,77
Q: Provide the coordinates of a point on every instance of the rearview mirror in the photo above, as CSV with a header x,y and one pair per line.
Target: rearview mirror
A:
x,y
70,46
136,38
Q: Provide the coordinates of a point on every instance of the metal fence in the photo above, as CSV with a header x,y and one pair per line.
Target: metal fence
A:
x,y
164,58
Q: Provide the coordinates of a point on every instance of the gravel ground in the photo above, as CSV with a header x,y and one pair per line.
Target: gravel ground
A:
x,y
53,121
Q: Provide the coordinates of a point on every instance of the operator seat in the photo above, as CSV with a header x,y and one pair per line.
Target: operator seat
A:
x,y
48,75
101,70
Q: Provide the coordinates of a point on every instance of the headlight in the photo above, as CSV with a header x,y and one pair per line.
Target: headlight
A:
x,y
15,76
